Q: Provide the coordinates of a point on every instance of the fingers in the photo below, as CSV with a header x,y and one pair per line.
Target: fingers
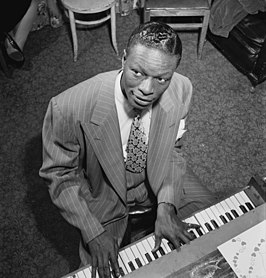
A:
x,y
115,266
94,267
192,226
183,237
106,264
157,245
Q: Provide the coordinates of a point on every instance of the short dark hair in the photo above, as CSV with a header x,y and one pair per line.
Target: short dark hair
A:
x,y
156,35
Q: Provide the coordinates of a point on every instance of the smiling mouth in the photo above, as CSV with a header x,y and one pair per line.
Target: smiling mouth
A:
x,y
141,101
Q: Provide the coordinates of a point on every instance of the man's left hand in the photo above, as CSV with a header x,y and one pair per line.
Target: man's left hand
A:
x,y
169,226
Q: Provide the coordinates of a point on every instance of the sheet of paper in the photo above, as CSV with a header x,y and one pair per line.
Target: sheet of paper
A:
x,y
246,253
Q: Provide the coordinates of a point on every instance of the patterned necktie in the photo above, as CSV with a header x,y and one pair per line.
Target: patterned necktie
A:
x,y
136,147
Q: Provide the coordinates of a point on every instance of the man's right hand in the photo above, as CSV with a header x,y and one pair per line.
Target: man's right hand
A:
x,y
104,252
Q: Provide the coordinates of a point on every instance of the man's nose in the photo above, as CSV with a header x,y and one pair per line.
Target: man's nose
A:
x,y
146,86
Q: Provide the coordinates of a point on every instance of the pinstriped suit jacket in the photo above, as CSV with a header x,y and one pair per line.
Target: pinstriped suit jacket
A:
x,y
83,159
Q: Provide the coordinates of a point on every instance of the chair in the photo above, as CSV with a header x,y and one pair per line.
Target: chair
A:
x,y
182,8
76,9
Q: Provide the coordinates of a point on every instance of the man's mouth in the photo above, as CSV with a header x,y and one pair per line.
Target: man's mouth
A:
x,y
141,100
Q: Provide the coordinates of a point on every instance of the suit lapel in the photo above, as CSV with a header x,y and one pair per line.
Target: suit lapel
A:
x,y
161,137
104,134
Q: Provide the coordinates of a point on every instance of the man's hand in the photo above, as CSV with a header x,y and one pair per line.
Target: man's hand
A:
x,y
104,251
169,226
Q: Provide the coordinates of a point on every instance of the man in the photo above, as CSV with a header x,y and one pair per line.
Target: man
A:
x,y
87,159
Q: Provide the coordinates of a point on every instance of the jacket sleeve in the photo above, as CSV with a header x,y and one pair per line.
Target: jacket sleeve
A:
x,y
171,189
61,168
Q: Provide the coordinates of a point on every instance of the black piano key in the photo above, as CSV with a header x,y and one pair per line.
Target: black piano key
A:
x,y
229,216
243,209
148,257
193,234
122,273
223,219
155,255
161,251
132,267
171,245
250,207
208,226
234,212
138,262
199,231
214,223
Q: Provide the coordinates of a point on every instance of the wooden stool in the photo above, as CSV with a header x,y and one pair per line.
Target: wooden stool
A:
x,y
91,7
181,8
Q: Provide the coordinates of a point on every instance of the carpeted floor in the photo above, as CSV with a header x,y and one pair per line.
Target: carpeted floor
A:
x,y
225,144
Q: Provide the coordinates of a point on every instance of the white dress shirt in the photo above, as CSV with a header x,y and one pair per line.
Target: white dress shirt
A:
x,y
126,115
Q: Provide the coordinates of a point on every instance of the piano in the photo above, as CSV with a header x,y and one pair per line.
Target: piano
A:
x,y
219,223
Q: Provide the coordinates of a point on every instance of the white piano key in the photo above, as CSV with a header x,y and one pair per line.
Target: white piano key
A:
x,y
222,212
137,254
241,201
87,272
152,244
148,248
216,213
247,201
121,264
202,222
213,217
142,251
193,220
227,209
208,220
232,207
125,260
131,257
162,247
236,205
80,274
166,246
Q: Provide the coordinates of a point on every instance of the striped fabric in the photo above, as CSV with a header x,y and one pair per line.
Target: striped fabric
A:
x,y
83,158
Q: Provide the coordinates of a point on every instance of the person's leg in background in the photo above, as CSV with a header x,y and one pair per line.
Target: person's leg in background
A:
x,y
21,31
55,13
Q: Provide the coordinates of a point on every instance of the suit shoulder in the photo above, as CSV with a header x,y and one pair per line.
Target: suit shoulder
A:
x,y
87,89
181,87
181,80
83,96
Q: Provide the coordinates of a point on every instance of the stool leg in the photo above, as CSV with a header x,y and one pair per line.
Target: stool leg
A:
x,y
74,34
203,32
113,29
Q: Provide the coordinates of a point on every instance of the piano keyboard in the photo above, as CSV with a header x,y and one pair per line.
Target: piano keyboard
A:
x,y
138,254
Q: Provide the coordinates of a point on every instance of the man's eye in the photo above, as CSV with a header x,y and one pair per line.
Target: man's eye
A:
x,y
137,73
161,80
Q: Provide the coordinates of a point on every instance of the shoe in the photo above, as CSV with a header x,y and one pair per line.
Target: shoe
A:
x,y
15,56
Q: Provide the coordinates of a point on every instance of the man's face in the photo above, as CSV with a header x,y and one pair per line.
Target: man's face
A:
x,y
146,75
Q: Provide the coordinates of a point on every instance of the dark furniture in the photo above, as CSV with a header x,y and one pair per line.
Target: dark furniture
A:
x,y
245,46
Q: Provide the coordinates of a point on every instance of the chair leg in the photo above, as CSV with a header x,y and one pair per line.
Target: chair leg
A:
x,y
146,16
113,29
4,65
203,33
74,34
